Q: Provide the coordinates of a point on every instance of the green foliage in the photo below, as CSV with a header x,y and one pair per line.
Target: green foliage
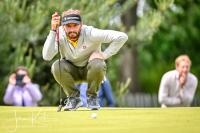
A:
x,y
19,58
148,24
21,28
163,4
122,89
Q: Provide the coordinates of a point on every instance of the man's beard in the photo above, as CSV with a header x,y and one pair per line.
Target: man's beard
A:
x,y
73,35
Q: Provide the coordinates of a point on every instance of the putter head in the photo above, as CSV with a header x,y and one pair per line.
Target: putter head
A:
x,y
59,108
63,101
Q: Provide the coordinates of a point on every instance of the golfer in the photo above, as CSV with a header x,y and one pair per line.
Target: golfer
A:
x,y
81,55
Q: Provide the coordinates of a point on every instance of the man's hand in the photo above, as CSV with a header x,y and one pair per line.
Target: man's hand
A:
x,y
26,79
182,79
96,55
55,21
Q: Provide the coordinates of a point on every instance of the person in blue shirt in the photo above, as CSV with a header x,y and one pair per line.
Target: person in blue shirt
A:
x,y
105,95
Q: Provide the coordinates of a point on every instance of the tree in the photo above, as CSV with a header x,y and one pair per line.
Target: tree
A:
x,y
140,30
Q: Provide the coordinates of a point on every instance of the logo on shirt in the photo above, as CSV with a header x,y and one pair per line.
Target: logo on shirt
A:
x,y
84,47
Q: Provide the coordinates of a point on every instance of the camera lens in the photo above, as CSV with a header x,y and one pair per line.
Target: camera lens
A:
x,y
19,78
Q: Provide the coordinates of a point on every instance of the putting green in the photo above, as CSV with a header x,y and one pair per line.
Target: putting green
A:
x,y
108,120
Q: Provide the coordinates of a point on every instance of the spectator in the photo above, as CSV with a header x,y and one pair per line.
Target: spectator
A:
x,y
20,90
177,87
104,95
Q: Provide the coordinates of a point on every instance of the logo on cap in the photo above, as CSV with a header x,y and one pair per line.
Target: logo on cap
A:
x,y
72,18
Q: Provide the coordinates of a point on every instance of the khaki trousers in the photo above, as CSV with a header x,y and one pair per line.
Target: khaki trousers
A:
x,y
93,73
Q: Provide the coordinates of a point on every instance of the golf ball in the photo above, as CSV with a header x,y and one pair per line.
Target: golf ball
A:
x,y
94,115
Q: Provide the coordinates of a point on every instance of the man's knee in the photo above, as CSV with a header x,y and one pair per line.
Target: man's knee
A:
x,y
97,65
55,67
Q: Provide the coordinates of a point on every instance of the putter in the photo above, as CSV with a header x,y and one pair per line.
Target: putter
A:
x,y
60,105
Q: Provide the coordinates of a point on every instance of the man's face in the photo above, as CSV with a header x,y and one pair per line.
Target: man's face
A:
x,y
183,67
72,30
21,72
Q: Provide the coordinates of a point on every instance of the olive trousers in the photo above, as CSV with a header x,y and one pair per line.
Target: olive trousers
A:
x,y
67,75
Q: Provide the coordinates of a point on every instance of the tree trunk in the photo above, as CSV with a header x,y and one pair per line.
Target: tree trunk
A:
x,y
129,68
129,60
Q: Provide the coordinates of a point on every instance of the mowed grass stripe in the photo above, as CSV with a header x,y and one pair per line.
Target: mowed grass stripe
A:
x,y
111,120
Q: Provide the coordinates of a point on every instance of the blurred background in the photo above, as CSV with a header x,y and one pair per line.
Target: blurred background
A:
x,y
158,30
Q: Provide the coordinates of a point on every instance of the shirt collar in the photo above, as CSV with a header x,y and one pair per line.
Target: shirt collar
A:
x,y
72,42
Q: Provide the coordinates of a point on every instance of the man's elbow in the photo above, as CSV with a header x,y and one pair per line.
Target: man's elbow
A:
x,y
124,37
7,101
161,100
46,57
39,97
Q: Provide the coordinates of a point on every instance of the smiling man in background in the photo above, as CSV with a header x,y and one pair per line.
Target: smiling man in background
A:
x,y
177,87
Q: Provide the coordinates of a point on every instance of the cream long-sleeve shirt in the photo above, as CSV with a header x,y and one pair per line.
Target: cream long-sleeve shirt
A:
x,y
89,41
170,92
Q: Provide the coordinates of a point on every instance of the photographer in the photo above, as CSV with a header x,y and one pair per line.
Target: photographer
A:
x,y
21,91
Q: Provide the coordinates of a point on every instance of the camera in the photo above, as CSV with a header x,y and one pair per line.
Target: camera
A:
x,y
19,78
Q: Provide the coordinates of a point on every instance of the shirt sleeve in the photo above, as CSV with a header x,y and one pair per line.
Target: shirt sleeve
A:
x,y
50,46
8,97
163,96
115,39
34,91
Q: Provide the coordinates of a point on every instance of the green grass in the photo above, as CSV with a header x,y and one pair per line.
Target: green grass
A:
x,y
109,120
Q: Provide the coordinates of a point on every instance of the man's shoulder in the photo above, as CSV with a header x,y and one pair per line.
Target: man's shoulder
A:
x,y
170,73
89,32
87,28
